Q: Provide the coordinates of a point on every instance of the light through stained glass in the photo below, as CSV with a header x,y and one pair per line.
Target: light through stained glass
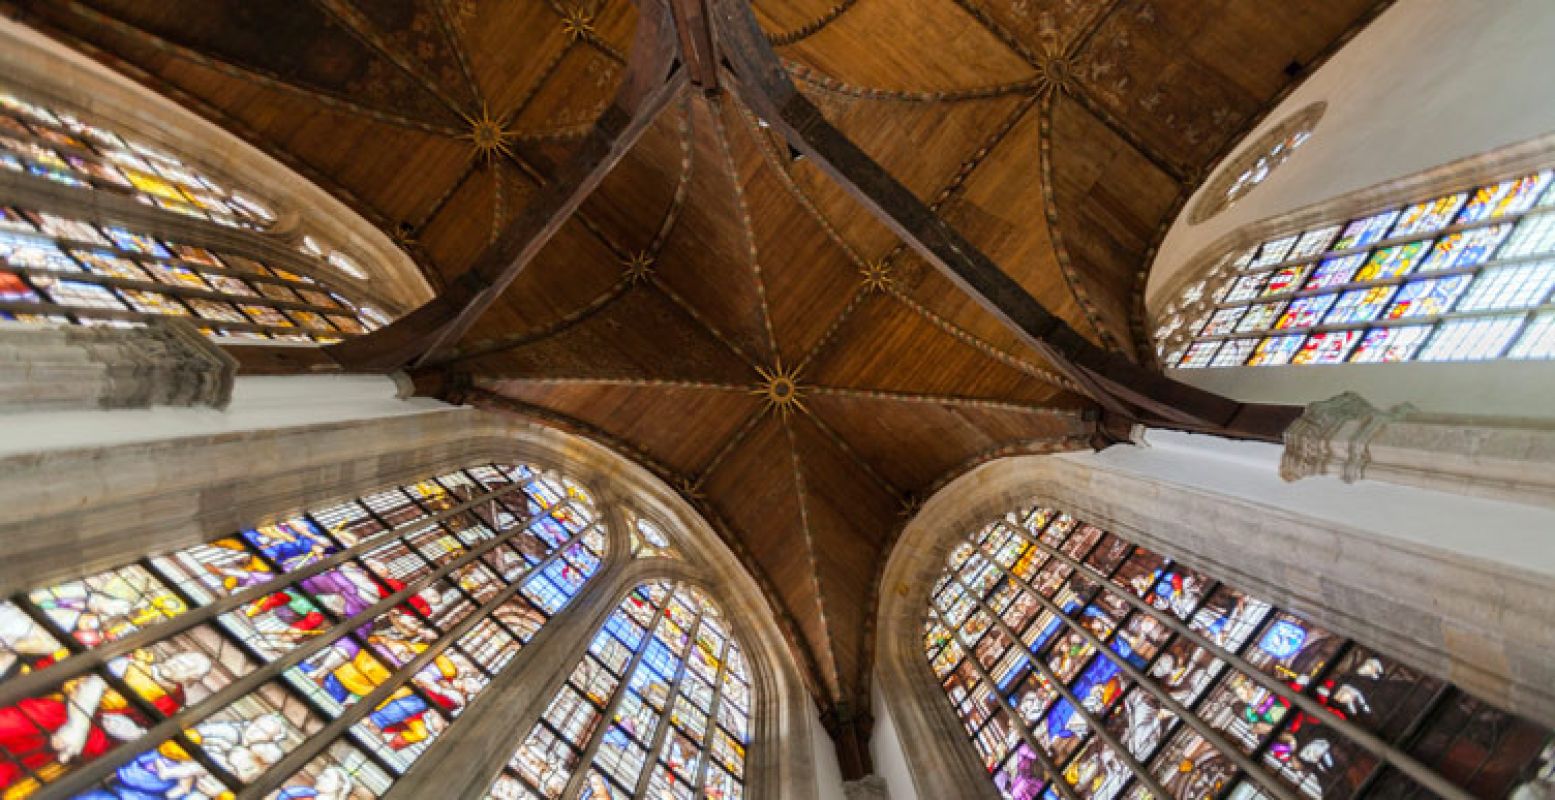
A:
x,y
63,267
659,707
384,613
1462,277
1072,656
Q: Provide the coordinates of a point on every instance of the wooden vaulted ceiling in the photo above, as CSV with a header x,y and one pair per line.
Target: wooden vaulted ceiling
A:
x,y
1057,136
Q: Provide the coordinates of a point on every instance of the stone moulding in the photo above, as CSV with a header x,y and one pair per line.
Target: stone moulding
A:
x,y
167,362
1494,457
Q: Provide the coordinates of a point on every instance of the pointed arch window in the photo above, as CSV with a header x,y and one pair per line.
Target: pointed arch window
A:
x,y
1465,276
1084,666
321,653
67,257
659,707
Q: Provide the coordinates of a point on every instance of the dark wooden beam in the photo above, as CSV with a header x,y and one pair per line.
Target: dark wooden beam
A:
x,y
274,359
1117,384
431,331
698,47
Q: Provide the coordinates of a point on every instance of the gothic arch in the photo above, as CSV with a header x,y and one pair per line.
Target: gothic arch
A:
x,y
202,499
1320,572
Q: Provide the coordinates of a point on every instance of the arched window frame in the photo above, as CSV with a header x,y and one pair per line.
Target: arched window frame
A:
x,y
359,525
1188,297
357,455
46,71
1203,532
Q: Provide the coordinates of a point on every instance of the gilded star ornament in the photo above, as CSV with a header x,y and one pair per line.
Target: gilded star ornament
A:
x,y
489,135
779,387
639,267
1055,73
877,276
578,23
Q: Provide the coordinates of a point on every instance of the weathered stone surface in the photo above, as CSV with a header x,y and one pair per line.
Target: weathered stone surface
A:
x,y
167,362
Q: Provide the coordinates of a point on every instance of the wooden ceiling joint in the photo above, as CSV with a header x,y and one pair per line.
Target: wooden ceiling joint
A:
x,y
1118,385
650,85
698,47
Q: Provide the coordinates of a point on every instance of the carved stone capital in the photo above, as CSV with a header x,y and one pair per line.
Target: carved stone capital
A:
x,y
167,362
1500,458
1333,436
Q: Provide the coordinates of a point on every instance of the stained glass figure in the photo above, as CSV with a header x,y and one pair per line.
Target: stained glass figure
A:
x,y
381,631
1195,679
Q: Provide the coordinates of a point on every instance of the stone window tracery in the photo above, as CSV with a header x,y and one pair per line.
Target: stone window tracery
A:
x,y
1084,666
659,707
1465,276
1243,174
324,652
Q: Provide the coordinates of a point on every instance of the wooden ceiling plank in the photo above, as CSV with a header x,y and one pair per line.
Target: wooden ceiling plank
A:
x,y
424,334
1008,359
853,455
765,85
445,24
836,689
811,28
352,20
247,72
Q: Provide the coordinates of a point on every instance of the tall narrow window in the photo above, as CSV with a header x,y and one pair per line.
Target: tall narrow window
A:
x,y
1468,276
658,708
1083,666
73,262
322,653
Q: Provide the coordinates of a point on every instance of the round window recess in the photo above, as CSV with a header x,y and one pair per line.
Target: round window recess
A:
x,y
1245,172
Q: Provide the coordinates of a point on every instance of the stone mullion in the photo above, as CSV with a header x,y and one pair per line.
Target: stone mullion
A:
x,y
21,686
712,716
320,741
1405,763
673,696
1245,762
478,751
1055,776
586,758
91,773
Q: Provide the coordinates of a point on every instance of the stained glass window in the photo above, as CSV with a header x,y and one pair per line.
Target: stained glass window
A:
x,y
658,708
385,616
59,267
1245,172
1084,666
1468,276
649,541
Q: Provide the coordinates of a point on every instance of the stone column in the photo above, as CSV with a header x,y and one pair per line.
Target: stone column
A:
x,y
1495,457
167,362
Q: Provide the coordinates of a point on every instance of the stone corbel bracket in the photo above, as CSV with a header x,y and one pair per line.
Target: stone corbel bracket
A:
x,y
1495,457
167,362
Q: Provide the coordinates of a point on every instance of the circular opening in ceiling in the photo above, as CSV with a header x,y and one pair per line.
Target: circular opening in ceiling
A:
x,y
1244,173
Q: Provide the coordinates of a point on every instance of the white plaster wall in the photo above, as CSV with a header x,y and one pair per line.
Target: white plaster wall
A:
x,y
828,776
258,403
1519,536
1431,81
885,747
